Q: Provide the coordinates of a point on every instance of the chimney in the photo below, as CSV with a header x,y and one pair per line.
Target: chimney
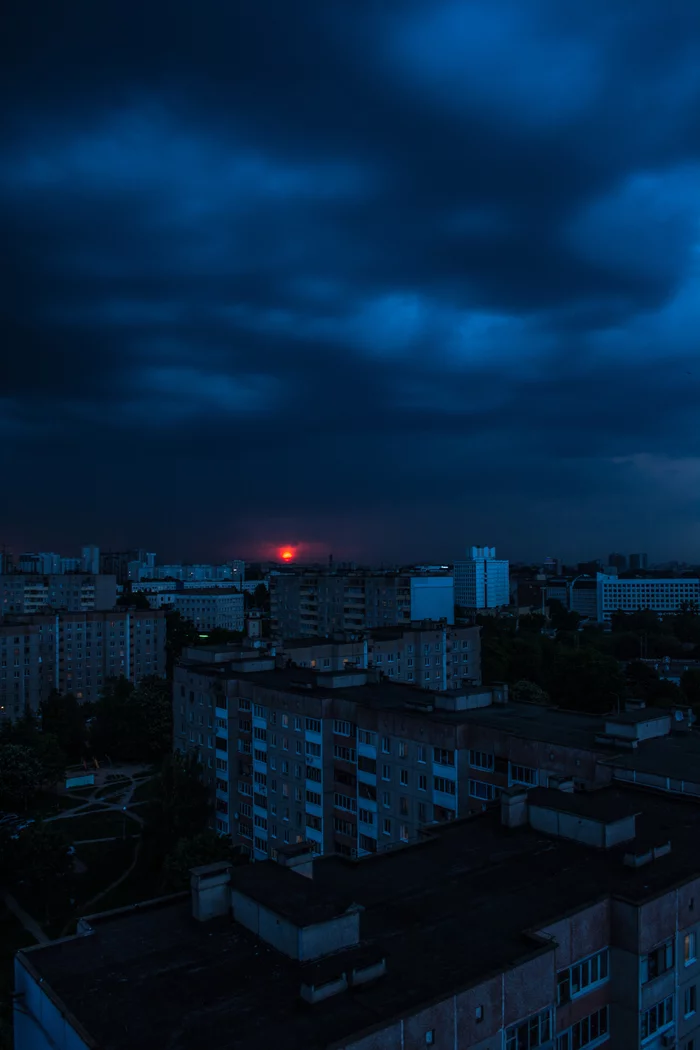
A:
x,y
297,857
514,807
211,890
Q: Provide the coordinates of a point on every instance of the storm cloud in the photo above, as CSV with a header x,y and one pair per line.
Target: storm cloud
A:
x,y
386,278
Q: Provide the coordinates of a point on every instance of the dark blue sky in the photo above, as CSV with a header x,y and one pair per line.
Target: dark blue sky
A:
x,y
387,278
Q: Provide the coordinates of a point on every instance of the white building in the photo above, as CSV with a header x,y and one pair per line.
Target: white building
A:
x,y
433,598
210,607
663,597
482,581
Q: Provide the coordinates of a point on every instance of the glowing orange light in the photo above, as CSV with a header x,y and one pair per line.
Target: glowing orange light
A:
x,y
287,553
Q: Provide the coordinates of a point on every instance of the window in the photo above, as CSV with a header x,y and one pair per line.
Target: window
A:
x,y
366,816
421,753
386,799
386,745
346,753
259,711
313,725
297,795
445,785
243,705
285,721
422,813
297,724
689,949
521,775
586,1032
260,734
430,1037
404,778
386,772
260,756
479,789
312,773
690,1045
657,1017
403,749
313,749
300,750
658,961
443,757
689,1000
422,782
342,728
403,806
313,798
481,760
365,737
578,979
530,1034
343,826
386,826
345,802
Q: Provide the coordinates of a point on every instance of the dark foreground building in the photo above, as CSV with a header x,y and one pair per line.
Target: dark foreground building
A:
x,y
556,920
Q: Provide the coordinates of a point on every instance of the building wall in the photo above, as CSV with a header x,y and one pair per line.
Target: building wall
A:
x,y
661,596
209,609
433,598
76,652
39,1024
482,581
31,593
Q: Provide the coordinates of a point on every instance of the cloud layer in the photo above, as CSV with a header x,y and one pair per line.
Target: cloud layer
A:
x,y
386,281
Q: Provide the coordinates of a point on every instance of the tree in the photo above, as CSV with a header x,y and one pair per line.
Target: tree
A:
x,y
20,774
586,680
205,848
181,806
64,718
690,684
40,859
641,680
529,693
153,702
562,619
133,600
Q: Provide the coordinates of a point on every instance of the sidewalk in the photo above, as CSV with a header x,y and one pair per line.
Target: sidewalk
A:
x,y
30,924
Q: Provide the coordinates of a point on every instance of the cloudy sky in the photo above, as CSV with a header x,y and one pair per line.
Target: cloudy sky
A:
x,y
384,277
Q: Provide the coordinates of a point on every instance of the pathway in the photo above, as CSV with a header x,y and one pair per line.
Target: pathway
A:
x,y
30,924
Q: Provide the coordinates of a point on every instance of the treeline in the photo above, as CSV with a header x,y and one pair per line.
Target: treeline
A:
x,y
592,669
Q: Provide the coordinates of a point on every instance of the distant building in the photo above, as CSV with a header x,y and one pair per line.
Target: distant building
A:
x,y
321,603
211,607
618,561
90,561
75,652
30,593
44,562
663,597
638,561
482,581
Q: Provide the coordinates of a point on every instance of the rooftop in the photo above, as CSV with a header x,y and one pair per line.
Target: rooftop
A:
x,y
642,714
155,969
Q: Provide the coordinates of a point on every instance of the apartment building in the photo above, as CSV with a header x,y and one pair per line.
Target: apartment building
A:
x,y
663,597
428,654
482,580
555,921
321,603
32,592
75,653
210,607
357,763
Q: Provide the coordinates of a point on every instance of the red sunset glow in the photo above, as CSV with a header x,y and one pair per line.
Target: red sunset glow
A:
x,y
287,553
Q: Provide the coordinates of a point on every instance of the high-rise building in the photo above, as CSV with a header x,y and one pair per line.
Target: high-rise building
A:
x,y
30,593
482,581
578,911
638,561
44,562
75,652
320,603
211,607
618,561
91,559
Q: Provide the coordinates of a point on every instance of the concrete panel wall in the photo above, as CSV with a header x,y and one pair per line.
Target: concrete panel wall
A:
x,y
41,1025
566,825
489,997
342,932
273,929
581,934
529,987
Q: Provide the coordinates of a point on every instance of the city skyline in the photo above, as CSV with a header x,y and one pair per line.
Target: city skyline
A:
x,y
383,281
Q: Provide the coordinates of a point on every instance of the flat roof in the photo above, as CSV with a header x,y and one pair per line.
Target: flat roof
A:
x,y
676,756
154,969
642,714
595,805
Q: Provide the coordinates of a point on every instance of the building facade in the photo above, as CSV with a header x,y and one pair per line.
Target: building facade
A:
x,y
32,592
580,916
638,561
211,607
482,581
324,602
76,653
663,597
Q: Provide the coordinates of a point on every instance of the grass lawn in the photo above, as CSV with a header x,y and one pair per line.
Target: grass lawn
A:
x,y
12,936
47,804
144,883
105,862
112,790
97,825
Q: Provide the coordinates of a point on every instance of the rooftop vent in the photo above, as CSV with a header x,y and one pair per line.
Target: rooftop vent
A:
x,y
639,858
